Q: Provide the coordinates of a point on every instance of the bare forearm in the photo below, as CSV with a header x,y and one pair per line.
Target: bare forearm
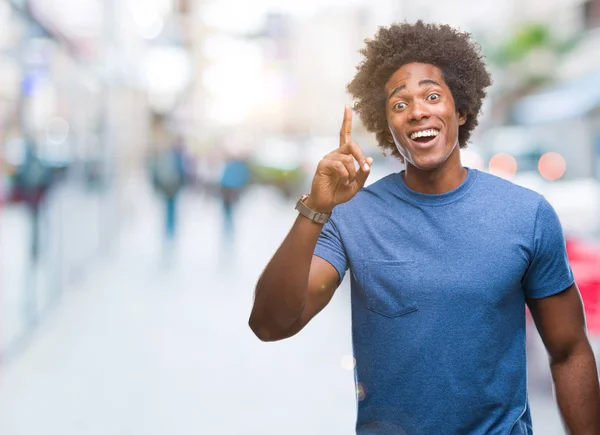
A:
x,y
282,288
577,393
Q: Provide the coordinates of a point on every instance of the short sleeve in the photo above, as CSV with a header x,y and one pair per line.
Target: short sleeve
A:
x,y
549,271
330,248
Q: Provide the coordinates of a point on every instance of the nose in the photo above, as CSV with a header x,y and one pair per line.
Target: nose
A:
x,y
418,111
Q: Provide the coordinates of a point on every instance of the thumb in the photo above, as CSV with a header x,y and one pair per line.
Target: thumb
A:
x,y
362,174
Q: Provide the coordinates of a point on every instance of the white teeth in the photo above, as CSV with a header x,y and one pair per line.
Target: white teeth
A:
x,y
425,133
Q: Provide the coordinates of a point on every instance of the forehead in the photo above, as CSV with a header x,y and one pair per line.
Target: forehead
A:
x,y
412,73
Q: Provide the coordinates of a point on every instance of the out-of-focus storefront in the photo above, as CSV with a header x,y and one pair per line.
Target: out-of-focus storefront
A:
x,y
80,83
565,118
59,146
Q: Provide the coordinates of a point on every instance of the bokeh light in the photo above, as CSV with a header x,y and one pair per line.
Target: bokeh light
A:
x,y
552,166
57,130
348,362
503,165
360,392
472,159
152,30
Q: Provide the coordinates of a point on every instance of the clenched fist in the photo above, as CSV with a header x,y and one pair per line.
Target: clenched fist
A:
x,y
337,178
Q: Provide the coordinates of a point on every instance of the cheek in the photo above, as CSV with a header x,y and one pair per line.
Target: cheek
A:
x,y
399,141
396,127
452,127
392,128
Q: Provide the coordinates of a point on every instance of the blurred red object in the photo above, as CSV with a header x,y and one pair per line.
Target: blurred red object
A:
x,y
584,257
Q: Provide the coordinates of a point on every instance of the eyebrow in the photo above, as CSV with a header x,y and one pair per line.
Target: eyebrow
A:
x,y
421,83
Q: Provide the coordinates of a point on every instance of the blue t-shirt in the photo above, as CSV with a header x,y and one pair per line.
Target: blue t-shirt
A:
x,y
439,283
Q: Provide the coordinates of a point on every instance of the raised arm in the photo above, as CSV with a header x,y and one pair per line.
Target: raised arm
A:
x,y
296,285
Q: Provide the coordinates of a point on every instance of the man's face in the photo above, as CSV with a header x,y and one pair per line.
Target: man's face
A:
x,y
422,117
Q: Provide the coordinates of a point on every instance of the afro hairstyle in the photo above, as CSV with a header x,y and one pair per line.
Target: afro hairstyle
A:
x,y
454,52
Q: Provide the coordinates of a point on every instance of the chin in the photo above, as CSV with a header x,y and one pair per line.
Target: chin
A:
x,y
429,164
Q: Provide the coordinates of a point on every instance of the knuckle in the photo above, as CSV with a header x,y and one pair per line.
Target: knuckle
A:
x,y
338,165
347,159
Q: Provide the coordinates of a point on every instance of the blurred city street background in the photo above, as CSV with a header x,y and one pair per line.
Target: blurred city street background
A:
x,y
151,152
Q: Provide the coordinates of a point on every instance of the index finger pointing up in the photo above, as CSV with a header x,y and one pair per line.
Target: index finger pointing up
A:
x,y
346,131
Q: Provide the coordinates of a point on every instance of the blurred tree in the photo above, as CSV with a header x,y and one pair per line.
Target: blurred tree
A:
x,y
527,39
524,62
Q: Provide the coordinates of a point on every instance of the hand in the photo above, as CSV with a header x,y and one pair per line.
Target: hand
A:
x,y
337,179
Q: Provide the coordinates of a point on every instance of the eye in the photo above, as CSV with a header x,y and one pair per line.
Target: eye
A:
x,y
399,106
433,97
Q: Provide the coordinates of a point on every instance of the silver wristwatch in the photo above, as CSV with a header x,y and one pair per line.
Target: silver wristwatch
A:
x,y
314,216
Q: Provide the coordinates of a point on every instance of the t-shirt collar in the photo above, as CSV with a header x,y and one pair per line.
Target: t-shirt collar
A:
x,y
437,198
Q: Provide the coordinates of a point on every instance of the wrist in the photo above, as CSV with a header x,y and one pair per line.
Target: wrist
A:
x,y
316,207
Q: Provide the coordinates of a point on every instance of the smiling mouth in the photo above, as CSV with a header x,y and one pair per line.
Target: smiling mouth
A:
x,y
424,136
424,140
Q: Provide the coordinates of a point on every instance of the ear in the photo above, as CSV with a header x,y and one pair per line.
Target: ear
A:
x,y
461,118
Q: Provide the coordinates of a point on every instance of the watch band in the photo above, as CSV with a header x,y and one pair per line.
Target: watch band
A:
x,y
314,216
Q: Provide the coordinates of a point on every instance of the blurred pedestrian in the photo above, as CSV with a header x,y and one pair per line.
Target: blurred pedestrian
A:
x,y
32,180
169,176
444,258
234,180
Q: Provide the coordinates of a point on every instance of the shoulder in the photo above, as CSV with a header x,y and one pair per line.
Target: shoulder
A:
x,y
523,207
368,205
507,192
384,184
377,192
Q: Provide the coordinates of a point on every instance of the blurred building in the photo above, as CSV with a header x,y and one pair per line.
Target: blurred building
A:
x,y
80,83
563,114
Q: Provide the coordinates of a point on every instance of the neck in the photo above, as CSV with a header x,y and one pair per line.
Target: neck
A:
x,y
440,180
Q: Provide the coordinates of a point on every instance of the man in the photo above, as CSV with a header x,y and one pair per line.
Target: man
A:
x,y
443,258
234,180
169,178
